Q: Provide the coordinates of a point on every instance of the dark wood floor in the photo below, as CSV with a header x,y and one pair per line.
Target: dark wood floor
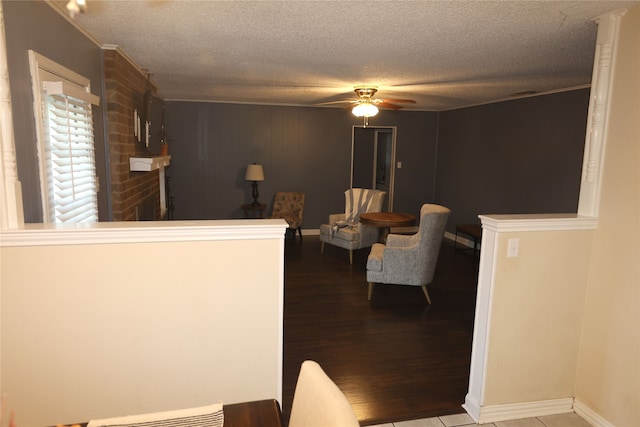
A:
x,y
394,357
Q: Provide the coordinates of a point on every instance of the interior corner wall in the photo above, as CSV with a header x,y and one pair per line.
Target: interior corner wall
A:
x,y
519,156
35,25
301,149
608,369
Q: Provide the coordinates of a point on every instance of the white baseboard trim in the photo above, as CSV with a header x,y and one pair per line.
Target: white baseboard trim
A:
x,y
515,411
590,415
403,230
472,407
461,240
400,230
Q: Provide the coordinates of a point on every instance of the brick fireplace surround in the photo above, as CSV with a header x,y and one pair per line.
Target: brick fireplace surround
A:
x,y
135,195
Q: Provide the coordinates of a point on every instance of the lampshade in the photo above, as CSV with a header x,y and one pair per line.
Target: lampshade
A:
x,y
365,109
254,173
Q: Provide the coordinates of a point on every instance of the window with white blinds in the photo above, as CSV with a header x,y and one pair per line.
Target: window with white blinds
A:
x,y
70,160
63,103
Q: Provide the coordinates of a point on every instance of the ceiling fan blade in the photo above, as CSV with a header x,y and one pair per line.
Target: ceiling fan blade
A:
x,y
350,101
401,101
406,101
384,104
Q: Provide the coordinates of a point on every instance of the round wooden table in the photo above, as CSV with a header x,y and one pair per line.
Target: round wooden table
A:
x,y
386,220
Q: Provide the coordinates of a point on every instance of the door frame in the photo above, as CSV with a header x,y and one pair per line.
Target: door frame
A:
x,y
392,168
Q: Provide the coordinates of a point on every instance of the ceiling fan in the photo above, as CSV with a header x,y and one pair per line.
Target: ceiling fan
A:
x,y
366,105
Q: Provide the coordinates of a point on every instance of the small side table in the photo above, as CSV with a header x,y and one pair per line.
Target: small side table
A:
x,y
253,211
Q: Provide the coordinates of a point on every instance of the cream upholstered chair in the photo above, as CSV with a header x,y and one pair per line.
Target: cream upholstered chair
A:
x,y
345,230
410,260
289,205
318,402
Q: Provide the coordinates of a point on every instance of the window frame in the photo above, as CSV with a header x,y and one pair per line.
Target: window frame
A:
x,y
73,85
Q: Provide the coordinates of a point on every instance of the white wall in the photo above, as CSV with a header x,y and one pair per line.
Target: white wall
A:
x,y
608,374
116,321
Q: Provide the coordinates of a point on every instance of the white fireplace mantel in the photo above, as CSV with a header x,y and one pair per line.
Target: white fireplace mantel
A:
x,y
146,164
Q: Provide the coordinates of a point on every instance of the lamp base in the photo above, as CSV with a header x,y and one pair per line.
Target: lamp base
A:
x,y
254,194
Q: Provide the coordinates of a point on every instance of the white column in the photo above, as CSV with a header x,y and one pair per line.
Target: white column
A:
x,y
11,213
598,113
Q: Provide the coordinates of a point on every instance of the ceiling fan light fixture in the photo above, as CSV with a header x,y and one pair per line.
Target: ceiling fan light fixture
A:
x,y
365,109
76,6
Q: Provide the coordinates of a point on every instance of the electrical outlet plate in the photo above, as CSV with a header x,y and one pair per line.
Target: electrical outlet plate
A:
x,y
513,248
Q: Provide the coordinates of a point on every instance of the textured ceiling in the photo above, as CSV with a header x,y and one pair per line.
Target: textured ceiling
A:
x,y
443,54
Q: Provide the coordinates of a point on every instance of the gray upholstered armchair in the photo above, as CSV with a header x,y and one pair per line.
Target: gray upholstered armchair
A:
x,y
345,230
289,205
410,260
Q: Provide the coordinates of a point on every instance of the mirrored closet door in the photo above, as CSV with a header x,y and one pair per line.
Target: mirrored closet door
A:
x,y
373,152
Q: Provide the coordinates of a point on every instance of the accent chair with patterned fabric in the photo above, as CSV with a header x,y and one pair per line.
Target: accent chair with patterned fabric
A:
x,y
289,205
345,230
410,260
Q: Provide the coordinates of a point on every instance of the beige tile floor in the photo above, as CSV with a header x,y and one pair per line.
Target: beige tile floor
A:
x,y
459,420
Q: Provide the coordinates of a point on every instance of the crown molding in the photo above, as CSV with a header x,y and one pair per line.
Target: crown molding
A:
x,y
58,8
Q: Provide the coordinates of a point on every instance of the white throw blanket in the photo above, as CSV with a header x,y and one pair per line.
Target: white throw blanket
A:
x,y
358,200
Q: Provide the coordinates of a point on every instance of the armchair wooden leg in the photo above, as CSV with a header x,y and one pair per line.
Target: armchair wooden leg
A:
x,y
299,233
321,248
426,293
370,291
351,256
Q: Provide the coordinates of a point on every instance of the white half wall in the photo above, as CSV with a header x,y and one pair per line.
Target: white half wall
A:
x,y
528,315
101,324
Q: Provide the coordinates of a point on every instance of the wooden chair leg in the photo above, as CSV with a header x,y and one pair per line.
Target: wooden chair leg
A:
x,y
321,248
351,256
370,291
299,232
426,293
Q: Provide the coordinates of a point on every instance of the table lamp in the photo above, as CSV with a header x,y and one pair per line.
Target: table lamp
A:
x,y
254,173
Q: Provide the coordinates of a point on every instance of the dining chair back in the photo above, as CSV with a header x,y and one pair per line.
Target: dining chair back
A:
x,y
318,402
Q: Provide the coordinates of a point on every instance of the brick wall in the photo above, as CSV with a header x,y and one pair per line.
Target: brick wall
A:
x,y
135,195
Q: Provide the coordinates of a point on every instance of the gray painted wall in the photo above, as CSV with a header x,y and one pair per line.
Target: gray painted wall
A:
x,y
36,26
520,156
301,149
